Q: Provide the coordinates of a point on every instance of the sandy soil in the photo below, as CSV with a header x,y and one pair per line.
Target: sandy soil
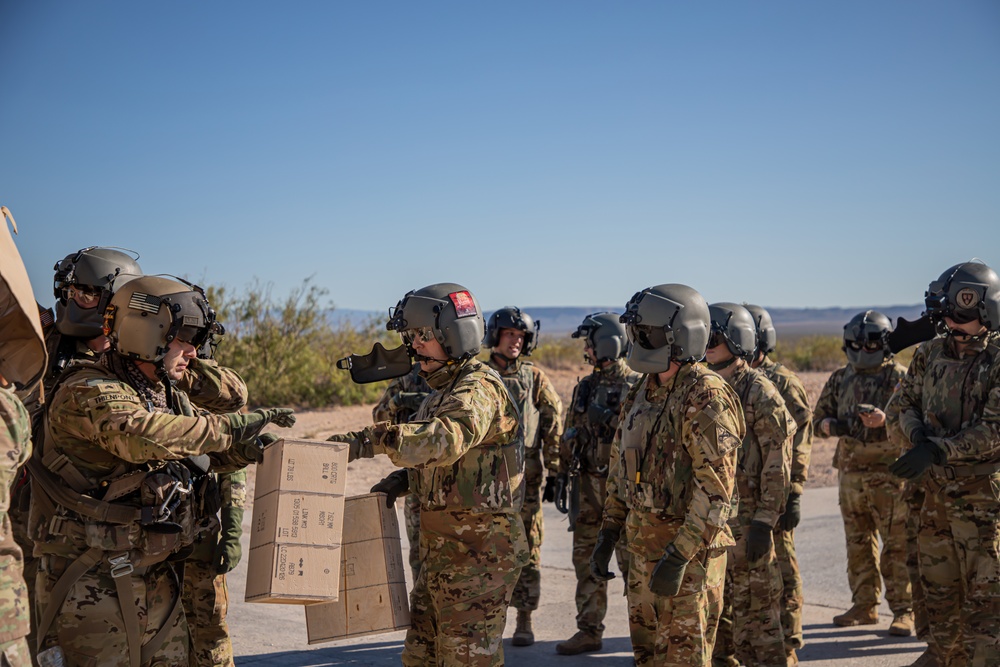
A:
x,y
320,424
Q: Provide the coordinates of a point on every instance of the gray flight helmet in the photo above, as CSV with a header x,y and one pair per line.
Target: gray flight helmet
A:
x,y
868,329
512,317
450,311
666,323
767,335
103,269
965,292
605,335
736,326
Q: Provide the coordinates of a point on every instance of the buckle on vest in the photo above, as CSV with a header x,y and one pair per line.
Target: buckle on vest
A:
x,y
949,472
120,566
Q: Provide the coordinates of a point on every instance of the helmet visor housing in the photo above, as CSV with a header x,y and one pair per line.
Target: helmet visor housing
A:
x,y
664,324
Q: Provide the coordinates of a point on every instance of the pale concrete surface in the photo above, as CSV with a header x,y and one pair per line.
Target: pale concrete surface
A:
x,y
275,634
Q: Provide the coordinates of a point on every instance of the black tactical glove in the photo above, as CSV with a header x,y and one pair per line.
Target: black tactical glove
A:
x,y
253,451
601,556
549,493
246,427
228,550
409,400
793,512
669,573
759,540
393,485
915,462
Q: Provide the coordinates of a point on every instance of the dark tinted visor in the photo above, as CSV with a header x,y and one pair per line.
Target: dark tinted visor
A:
x,y
194,335
716,339
647,336
964,316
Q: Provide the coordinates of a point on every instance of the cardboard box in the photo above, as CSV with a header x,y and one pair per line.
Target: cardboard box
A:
x,y
311,466
293,574
292,517
297,524
373,597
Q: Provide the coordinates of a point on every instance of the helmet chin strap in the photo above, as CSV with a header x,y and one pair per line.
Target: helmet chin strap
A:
x,y
500,355
723,365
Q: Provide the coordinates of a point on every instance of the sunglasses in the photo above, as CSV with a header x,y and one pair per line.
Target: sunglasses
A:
x,y
421,334
868,346
86,297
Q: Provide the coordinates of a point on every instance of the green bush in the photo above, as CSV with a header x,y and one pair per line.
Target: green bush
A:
x,y
820,353
562,353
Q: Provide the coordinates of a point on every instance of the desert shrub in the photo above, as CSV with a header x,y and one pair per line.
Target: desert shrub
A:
x,y
563,353
820,353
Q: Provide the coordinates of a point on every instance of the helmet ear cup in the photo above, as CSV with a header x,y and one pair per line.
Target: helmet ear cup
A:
x,y
767,335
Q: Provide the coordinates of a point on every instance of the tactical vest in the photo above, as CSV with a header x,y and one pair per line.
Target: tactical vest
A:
x,y
861,449
487,478
657,470
521,385
605,391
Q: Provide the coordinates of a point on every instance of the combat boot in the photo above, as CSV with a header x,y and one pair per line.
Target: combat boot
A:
x,y
857,615
791,658
902,624
523,635
581,642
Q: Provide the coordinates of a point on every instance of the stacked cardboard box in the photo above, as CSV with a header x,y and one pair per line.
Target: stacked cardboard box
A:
x,y
373,596
298,520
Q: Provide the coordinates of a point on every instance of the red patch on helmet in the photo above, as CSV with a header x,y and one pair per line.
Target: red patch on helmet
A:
x,y
464,304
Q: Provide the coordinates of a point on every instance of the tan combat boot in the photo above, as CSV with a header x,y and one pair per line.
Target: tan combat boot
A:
x,y
857,615
581,642
523,635
902,624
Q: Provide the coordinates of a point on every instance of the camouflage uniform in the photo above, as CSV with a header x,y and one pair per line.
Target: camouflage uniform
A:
x,y
589,446
206,595
541,421
672,476
388,409
750,627
15,447
958,400
797,403
871,499
464,456
101,429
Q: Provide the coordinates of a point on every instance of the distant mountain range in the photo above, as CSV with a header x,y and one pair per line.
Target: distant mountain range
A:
x,y
562,320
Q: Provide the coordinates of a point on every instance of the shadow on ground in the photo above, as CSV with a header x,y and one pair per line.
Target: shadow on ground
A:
x,y
828,642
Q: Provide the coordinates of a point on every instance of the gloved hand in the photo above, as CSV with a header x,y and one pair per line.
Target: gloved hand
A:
x,y
793,512
246,427
360,442
409,400
669,573
601,556
253,451
599,415
759,540
393,485
922,456
549,493
228,550
561,498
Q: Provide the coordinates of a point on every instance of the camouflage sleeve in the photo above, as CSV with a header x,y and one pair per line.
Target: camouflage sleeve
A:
x,y
384,411
213,387
233,487
712,431
797,403
826,405
892,427
463,420
574,420
549,419
15,445
911,390
615,509
774,429
982,439
108,414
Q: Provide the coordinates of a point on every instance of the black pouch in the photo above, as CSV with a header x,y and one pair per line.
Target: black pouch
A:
x,y
379,364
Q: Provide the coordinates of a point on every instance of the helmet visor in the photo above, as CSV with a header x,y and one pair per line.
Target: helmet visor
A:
x,y
648,336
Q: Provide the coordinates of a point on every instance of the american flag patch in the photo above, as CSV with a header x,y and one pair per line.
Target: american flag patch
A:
x,y
146,302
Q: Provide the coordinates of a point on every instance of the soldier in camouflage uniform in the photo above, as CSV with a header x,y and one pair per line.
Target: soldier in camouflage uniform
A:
x,y
22,362
793,392
851,407
949,406
463,457
671,482
585,455
511,335
115,485
750,628
399,402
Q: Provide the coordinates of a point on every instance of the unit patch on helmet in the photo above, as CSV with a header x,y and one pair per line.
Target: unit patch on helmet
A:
x,y
967,297
464,305
144,302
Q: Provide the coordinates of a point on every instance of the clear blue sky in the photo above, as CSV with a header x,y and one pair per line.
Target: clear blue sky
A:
x,y
541,153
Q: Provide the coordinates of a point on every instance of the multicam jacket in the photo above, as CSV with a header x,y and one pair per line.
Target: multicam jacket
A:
x,y
762,476
463,448
593,415
957,398
15,447
540,406
797,402
859,449
673,463
388,408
